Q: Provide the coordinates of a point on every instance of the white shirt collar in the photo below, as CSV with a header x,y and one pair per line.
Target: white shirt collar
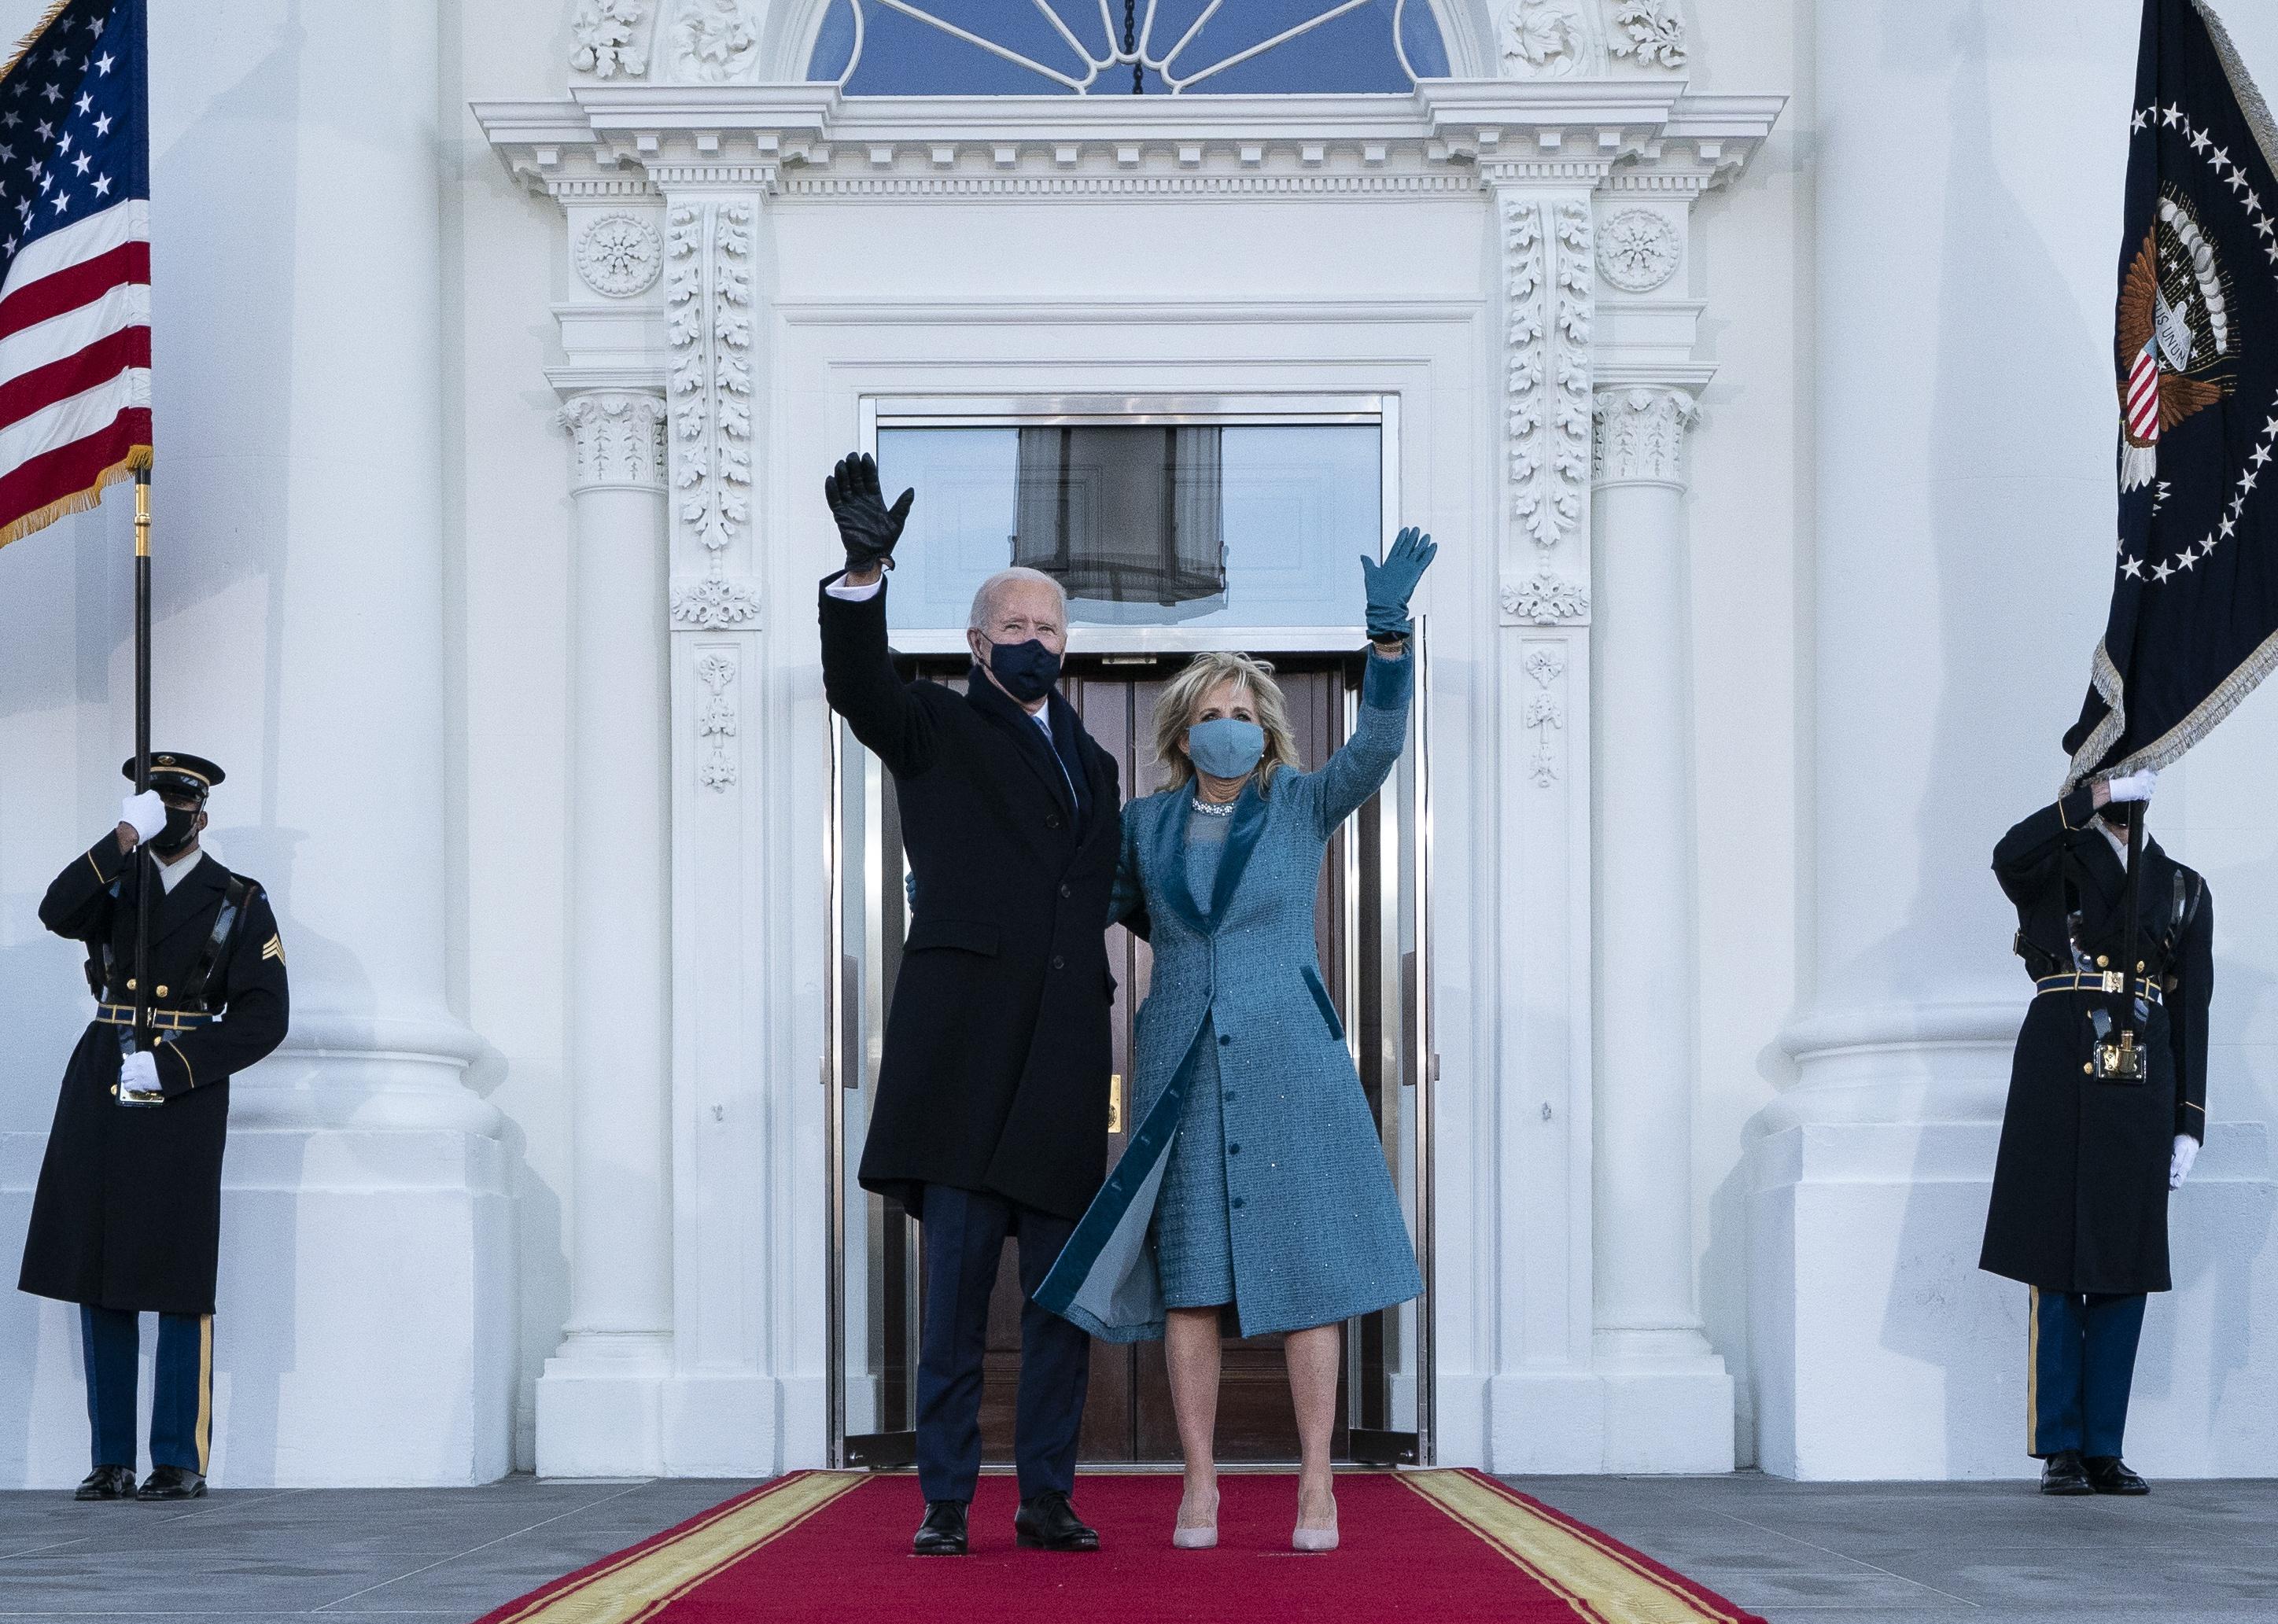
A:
x,y
172,874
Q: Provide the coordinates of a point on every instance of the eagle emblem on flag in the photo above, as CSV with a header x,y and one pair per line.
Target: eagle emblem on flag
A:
x,y
2175,332
2193,624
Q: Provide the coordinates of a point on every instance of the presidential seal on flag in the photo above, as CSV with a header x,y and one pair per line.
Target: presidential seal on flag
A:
x,y
2193,623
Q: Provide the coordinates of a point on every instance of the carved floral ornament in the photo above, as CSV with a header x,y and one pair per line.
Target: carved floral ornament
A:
x,y
619,439
1564,38
1640,439
699,41
1545,599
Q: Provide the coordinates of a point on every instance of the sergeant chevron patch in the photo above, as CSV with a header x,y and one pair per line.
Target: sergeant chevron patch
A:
x,y
274,948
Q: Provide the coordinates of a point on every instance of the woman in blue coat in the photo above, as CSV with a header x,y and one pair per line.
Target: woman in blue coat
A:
x,y
1255,1187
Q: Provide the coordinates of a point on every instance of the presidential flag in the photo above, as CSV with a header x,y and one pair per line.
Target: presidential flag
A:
x,y
2194,620
74,263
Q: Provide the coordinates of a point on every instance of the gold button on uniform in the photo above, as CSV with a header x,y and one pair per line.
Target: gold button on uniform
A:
x,y
114,1088
2089,1067
2102,963
162,991
130,984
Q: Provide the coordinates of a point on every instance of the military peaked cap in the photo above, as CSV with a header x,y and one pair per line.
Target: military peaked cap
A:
x,y
172,773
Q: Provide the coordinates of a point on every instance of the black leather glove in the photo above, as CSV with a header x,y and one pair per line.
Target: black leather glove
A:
x,y
866,526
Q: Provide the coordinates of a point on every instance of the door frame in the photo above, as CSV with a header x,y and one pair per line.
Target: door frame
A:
x,y
1419,1057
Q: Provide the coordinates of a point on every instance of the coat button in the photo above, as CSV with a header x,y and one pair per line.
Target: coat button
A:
x,y
1234,1150
1067,890
2088,1068
130,984
1223,1039
114,1088
1052,821
1238,1204
1059,963
162,992
2102,963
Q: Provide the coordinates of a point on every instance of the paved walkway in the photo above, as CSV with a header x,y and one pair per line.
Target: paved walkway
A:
x,y
1853,1554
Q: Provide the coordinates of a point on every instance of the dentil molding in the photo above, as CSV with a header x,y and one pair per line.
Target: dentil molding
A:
x,y
619,439
1640,439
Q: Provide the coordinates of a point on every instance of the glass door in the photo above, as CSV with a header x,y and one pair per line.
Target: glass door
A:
x,y
1264,575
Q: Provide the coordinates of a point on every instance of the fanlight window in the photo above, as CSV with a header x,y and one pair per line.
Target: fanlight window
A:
x,y
1126,47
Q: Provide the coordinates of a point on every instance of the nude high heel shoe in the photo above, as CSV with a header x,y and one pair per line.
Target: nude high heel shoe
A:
x,y
1204,1537
1313,1541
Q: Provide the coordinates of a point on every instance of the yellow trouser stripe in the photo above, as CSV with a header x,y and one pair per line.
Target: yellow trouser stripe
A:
x,y
2033,1373
205,1390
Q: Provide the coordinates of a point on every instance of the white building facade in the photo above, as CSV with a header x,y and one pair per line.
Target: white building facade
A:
x,y
1748,362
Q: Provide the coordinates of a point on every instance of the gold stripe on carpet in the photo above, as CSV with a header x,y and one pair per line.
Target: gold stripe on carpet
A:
x,y
641,1584
1597,1579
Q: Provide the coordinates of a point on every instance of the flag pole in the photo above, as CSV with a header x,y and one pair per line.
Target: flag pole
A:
x,y
147,877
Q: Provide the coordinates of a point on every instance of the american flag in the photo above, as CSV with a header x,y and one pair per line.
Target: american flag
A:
x,y
74,262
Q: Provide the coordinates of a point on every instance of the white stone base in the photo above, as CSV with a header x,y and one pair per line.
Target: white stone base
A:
x,y
1623,1418
363,1335
642,1419
1882,1352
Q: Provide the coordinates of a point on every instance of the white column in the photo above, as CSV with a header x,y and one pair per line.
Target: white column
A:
x,y
1668,1399
598,1398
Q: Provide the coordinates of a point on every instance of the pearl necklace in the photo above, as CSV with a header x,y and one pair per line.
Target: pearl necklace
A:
x,y
1210,809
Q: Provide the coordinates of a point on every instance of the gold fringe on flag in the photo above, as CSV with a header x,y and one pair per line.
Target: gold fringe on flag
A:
x,y
24,47
137,458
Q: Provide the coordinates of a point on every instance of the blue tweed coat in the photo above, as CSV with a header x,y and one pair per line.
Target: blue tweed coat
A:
x,y
1317,1226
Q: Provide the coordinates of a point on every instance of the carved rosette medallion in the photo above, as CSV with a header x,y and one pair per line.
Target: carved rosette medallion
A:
x,y
620,255
715,603
619,438
1640,437
1638,250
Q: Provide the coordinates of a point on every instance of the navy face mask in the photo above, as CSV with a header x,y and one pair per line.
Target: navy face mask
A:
x,y
181,828
1026,670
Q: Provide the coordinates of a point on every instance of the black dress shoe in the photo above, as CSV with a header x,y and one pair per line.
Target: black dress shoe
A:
x,y
1048,1523
2109,1475
2062,1474
943,1531
172,1482
106,1482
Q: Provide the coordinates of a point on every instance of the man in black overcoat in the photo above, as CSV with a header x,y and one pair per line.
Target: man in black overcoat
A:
x,y
127,1219
2089,1152
992,1114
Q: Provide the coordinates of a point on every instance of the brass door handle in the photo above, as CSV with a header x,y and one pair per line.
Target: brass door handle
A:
x,y
1115,1103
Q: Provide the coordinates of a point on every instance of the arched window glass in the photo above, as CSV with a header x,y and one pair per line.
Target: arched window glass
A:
x,y
1129,47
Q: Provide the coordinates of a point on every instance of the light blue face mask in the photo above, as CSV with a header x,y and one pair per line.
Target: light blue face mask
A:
x,y
1226,748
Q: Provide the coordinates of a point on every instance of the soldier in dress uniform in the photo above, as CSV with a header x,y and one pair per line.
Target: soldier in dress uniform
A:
x,y
2097,1130
127,1216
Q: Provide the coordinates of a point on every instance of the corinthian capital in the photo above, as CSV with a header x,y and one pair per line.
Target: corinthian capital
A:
x,y
1640,435
619,435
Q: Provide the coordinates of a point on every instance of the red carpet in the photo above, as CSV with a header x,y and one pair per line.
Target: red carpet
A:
x,y
1418,1548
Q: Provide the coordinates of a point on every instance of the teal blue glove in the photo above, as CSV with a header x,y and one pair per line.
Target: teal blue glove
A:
x,y
1391,584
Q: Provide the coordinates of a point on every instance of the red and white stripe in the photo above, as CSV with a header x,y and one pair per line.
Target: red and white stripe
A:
x,y
2143,396
75,365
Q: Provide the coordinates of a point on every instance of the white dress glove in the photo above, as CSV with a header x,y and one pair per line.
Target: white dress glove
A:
x,y
2179,1166
2135,786
146,812
138,1074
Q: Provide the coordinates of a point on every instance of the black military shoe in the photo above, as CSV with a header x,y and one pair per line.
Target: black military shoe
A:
x,y
2109,1475
943,1531
172,1482
2062,1474
1048,1523
106,1482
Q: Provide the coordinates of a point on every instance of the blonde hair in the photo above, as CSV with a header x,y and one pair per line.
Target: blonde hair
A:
x,y
1174,714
